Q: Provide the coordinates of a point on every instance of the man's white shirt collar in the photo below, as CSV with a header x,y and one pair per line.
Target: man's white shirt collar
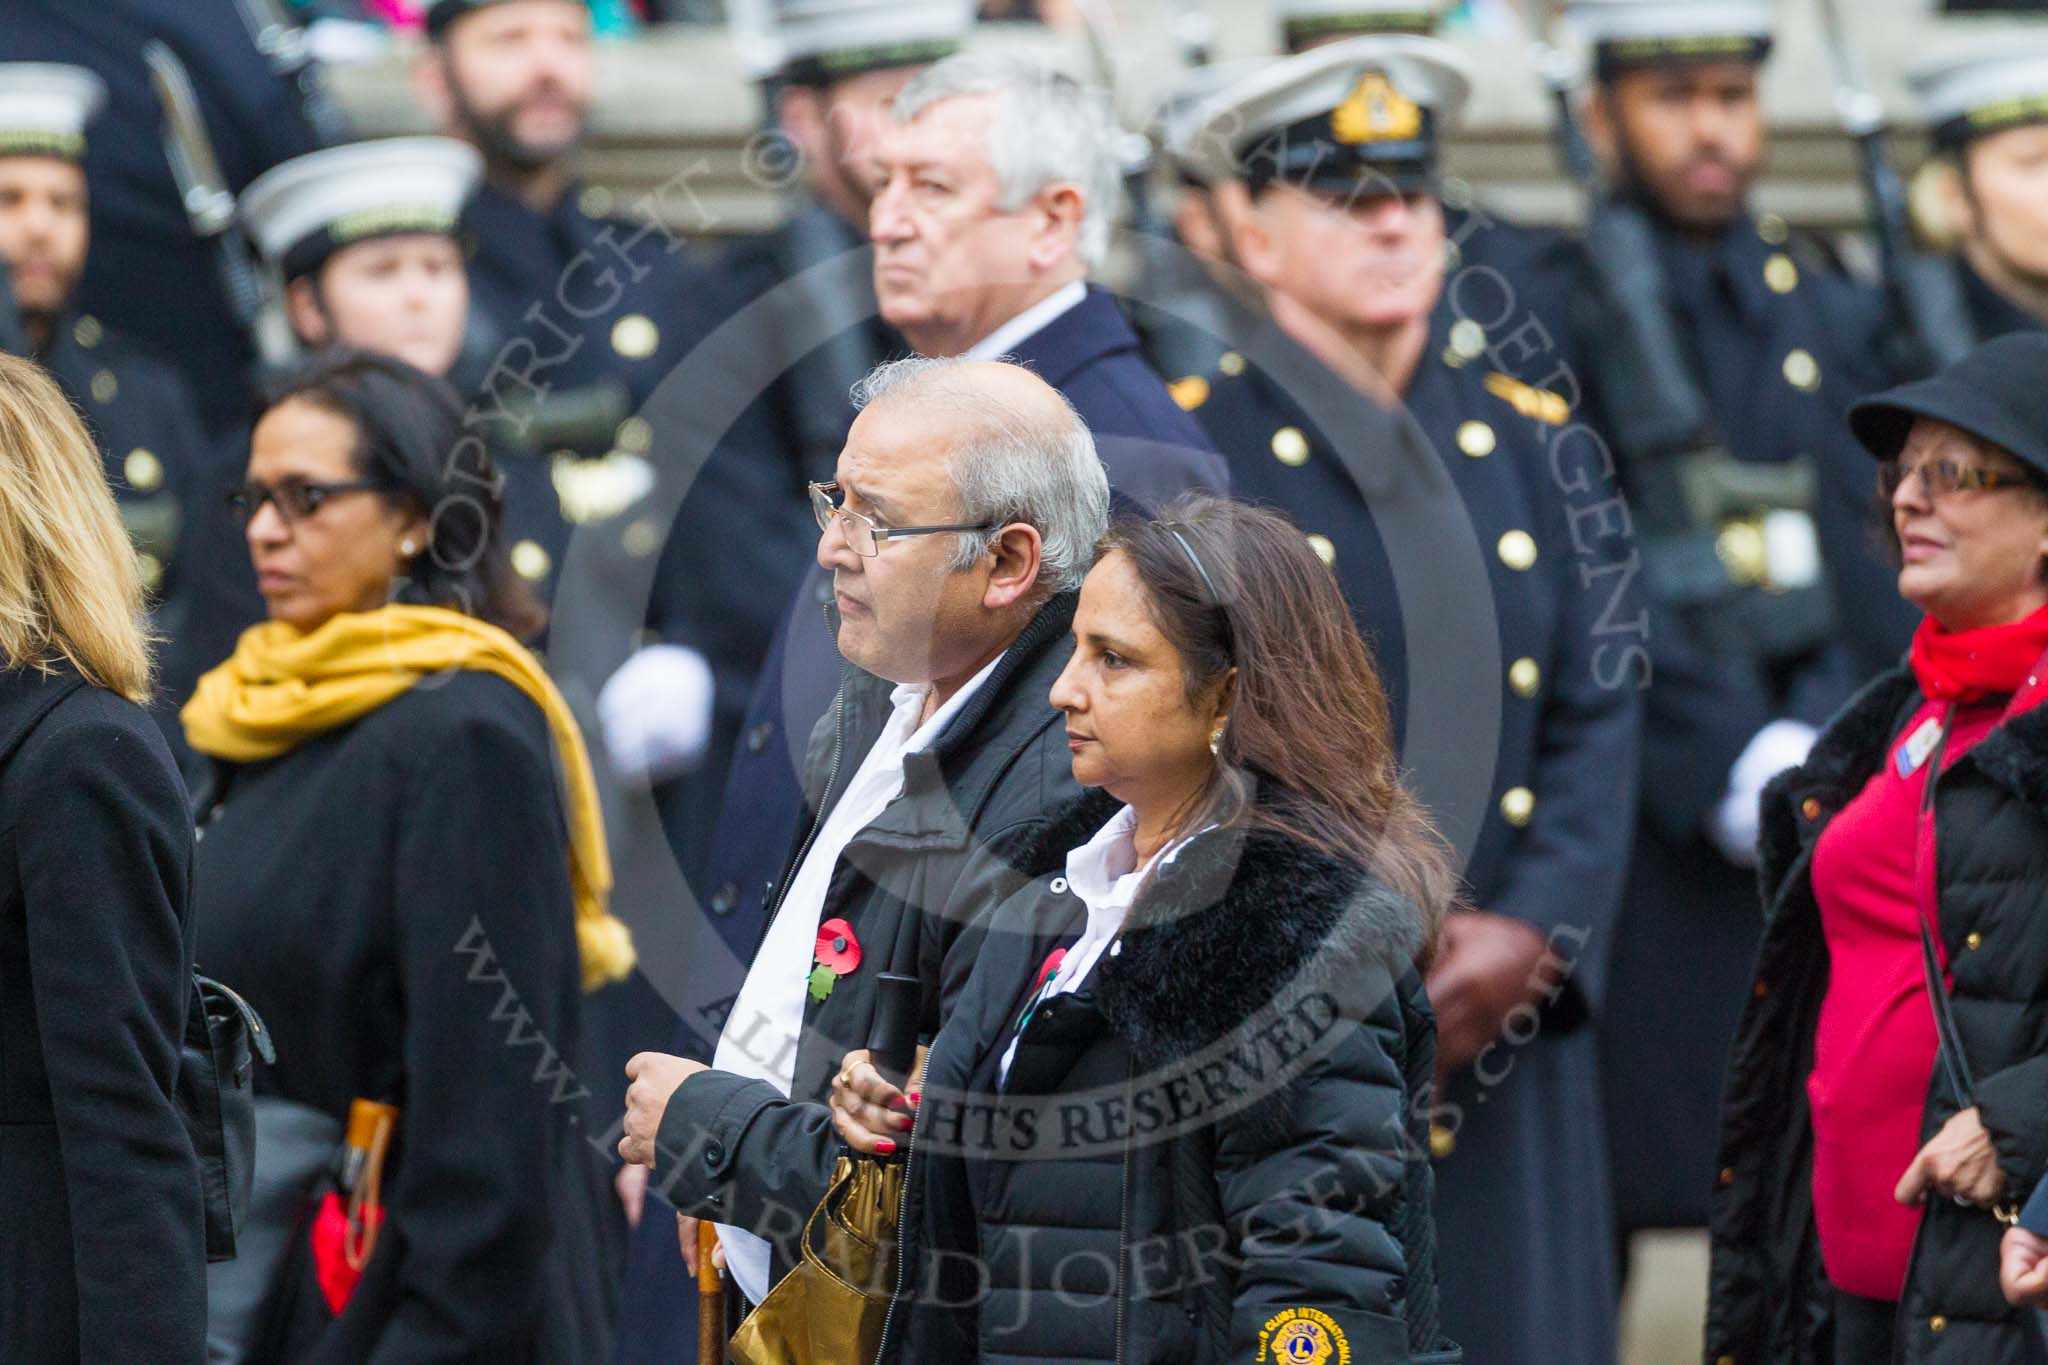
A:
x,y
1029,323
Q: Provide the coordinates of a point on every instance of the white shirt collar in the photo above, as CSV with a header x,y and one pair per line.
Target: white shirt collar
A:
x,y
1029,323
909,698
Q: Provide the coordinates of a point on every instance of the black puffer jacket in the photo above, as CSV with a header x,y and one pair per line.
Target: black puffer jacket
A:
x,y
1770,1300
1215,1145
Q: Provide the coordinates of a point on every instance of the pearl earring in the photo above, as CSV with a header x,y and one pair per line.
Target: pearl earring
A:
x,y
408,549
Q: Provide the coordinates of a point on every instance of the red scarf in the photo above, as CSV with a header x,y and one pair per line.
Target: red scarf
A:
x,y
1966,665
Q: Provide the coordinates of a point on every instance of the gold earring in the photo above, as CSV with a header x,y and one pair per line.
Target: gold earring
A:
x,y
1216,740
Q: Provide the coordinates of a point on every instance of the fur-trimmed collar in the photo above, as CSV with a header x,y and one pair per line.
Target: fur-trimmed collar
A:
x,y
1237,920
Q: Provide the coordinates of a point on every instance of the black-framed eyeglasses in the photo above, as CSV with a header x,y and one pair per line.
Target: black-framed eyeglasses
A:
x,y
1943,476
296,499
863,537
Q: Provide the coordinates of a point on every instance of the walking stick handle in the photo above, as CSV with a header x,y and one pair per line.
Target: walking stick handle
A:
x,y
710,1298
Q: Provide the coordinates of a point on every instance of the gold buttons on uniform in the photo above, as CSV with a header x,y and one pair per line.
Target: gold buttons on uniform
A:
x,y
143,470
530,561
635,336
1524,677
1230,363
1974,941
634,436
150,570
1810,808
1468,341
595,201
1727,1176
87,331
1802,371
1442,1141
1190,391
1517,804
1772,229
1475,439
1937,1323
1741,549
105,386
641,539
1325,551
1517,550
1724,1360
1780,273
1290,447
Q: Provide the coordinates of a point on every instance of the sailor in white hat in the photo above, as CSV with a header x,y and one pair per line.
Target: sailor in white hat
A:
x,y
1310,23
364,237
138,406
1987,116
1763,565
1676,105
1333,159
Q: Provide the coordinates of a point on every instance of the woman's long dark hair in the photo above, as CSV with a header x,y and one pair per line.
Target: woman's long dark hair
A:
x,y
1308,751
410,438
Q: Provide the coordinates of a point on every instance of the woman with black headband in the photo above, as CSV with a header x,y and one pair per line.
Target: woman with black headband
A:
x,y
1178,1113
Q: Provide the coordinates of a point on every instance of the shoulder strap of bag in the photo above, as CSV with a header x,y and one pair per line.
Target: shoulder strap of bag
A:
x,y
1955,1066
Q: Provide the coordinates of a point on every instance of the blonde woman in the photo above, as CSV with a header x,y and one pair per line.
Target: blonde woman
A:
x,y
102,1242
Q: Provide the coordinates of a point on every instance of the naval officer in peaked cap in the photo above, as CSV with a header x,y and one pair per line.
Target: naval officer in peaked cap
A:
x,y
1333,156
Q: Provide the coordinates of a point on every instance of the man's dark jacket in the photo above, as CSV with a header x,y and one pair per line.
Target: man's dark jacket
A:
x,y
915,886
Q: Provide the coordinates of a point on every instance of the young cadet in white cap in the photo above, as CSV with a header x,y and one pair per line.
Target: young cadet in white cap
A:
x,y
1349,396
364,238
138,407
1768,596
1987,116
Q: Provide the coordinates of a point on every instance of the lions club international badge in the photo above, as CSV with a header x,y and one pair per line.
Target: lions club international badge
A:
x,y
1303,1336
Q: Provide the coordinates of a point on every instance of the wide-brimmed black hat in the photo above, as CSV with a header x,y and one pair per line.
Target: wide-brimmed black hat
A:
x,y
1998,393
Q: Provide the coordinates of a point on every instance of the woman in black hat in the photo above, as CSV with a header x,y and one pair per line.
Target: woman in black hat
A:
x,y
1887,1100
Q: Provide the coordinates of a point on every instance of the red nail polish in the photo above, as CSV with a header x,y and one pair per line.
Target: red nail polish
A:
x,y
901,1120
899,1103
885,1146
916,1095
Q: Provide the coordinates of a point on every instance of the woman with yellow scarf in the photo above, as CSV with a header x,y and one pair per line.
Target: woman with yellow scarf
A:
x,y
401,856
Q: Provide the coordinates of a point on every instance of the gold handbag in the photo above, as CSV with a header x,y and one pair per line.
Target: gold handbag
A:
x,y
830,1308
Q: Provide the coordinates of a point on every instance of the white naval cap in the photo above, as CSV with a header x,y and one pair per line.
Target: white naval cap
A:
x,y
44,108
1363,110
817,42
1983,88
1305,23
1631,33
301,212
1176,119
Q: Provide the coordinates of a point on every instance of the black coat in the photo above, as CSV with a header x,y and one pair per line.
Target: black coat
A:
x,y
102,1240
1770,1300
1224,1127
393,897
916,886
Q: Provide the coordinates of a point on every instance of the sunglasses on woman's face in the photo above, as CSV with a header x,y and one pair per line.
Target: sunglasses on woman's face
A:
x,y
295,499
1941,477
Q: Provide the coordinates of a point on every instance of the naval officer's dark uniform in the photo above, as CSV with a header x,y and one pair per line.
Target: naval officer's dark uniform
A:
x,y
1522,1168
1779,346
